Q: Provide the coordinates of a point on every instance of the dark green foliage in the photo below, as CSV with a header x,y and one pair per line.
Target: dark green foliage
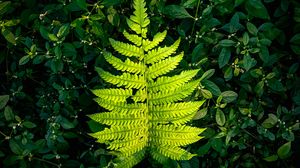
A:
x,y
247,50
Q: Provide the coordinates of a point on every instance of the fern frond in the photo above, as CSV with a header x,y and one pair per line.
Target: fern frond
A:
x,y
159,37
173,152
140,96
165,82
116,95
110,118
126,79
130,161
126,49
119,132
170,96
123,108
146,112
128,65
158,54
140,15
164,66
135,39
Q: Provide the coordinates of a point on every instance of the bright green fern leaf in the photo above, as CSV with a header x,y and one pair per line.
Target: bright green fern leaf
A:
x,y
177,113
164,66
159,37
137,40
128,65
126,49
126,79
159,53
146,112
165,82
116,95
172,95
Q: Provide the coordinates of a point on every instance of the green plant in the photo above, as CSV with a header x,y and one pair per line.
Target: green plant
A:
x,y
247,52
148,114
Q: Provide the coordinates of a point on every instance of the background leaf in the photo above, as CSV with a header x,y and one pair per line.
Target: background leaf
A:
x,y
9,36
229,96
3,100
256,8
15,147
4,6
284,150
224,57
82,4
8,114
220,117
176,11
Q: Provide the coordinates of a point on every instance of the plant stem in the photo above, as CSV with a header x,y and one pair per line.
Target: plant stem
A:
x,y
196,17
251,134
46,161
3,134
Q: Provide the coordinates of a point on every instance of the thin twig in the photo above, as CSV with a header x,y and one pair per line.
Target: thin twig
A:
x,y
46,161
3,134
251,134
196,17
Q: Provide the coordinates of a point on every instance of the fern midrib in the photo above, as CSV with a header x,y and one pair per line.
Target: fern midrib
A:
x,y
146,84
175,138
177,131
178,107
130,130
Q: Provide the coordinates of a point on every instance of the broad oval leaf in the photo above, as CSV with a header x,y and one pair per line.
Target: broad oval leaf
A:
x,y
271,158
176,11
229,96
270,121
8,114
207,74
15,147
220,117
206,93
227,43
295,39
212,87
4,6
9,36
29,124
63,30
284,150
252,28
3,101
82,4
256,8
200,114
224,57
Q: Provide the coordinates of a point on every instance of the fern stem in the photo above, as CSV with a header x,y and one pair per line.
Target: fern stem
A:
x,y
146,81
